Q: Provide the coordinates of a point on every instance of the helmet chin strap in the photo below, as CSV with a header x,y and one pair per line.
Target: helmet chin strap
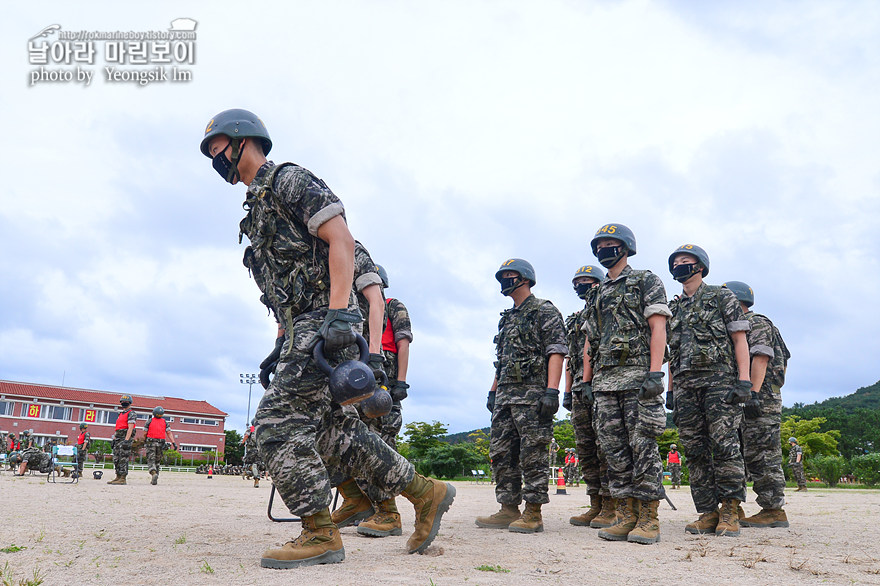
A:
x,y
236,157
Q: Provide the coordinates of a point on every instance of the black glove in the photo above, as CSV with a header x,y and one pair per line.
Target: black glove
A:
x,y
740,393
490,402
127,443
566,401
652,386
398,390
752,407
585,390
268,365
336,329
549,404
377,364
670,400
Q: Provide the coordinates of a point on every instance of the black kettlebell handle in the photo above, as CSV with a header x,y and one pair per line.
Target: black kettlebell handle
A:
x,y
321,360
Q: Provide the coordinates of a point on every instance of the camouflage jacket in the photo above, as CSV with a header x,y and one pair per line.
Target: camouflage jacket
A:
x,y
527,336
576,338
253,453
793,453
364,275
398,318
700,328
617,319
286,205
765,340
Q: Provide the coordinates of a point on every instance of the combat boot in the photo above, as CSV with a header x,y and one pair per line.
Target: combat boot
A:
x,y
355,504
740,513
705,524
801,489
256,483
766,518
154,478
118,480
431,498
607,516
500,520
728,520
628,513
385,522
114,481
319,543
590,514
647,529
530,522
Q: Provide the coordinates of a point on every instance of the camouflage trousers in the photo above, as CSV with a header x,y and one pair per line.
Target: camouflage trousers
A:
x,y
121,453
634,467
553,459
81,455
518,448
37,461
762,451
797,470
707,427
594,466
675,474
386,427
310,443
154,448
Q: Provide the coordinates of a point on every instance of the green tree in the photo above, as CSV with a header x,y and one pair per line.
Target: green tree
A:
x,y
828,468
449,461
422,436
807,431
99,449
234,447
170,457
563,431
481,444
866,469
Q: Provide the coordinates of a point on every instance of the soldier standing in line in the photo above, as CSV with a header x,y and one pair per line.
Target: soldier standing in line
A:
x,y
301,255
673,463
796,462
158,431
709,379
554,449
523,399
82,447
762,413
578,399
123,437
252,460
625,334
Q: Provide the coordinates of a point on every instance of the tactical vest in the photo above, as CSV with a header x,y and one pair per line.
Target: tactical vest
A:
x,y
289,265
674,458
156,428
518,346
626,340
388,342
122,420
576,340
775,376
712,348
81,439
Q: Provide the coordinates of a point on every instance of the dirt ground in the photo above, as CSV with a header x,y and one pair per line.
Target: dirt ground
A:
x,y
191,530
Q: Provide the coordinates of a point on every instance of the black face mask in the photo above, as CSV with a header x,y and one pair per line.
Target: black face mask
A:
x,y
510,284
582,288
226,168
609,256
682,273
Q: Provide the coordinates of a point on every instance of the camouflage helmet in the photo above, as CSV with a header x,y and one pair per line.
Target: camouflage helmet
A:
x,y
25,432
83,425
383,274
742,291
695,251
673,446
158,411
792,440
589,271
236,123
518,265
618,232
125,399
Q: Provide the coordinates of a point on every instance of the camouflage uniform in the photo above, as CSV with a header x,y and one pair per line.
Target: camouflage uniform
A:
x,y
594,466
554,448
703,368
527,336
82,452
303,436
619,334
398,317
252,457
762,447
155,449
122,448
797,468
37,460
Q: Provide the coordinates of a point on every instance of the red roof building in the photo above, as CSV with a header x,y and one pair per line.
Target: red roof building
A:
x,y
54,413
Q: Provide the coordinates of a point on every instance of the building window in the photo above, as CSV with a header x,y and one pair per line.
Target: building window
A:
x,y
195,421
57,412
6,407
186,448
95,416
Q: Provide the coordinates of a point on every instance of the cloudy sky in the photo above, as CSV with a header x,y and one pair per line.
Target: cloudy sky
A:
x,y
458,134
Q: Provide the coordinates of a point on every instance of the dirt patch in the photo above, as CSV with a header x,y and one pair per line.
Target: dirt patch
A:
x,y
191,530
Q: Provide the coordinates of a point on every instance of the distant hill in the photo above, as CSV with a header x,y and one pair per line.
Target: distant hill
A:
x,y
864,398
462,436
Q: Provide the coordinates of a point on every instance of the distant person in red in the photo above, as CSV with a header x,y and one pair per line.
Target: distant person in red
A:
x,y
157,432
82,447
123,437
673,463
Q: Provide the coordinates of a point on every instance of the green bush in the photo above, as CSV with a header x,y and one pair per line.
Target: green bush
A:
x,y
448,461
828,468
866,468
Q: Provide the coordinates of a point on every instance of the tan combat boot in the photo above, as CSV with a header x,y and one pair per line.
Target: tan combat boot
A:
x,y
257,482
705,524
118,480
154,478
766,518
607,516
801,489
530,522
628,513
728,520
590,514
740,513
319,543
647,529
355,504
500,520
431,498
114,481
385,522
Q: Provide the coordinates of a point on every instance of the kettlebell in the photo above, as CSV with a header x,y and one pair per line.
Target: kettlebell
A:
x,y
351,381
379,404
